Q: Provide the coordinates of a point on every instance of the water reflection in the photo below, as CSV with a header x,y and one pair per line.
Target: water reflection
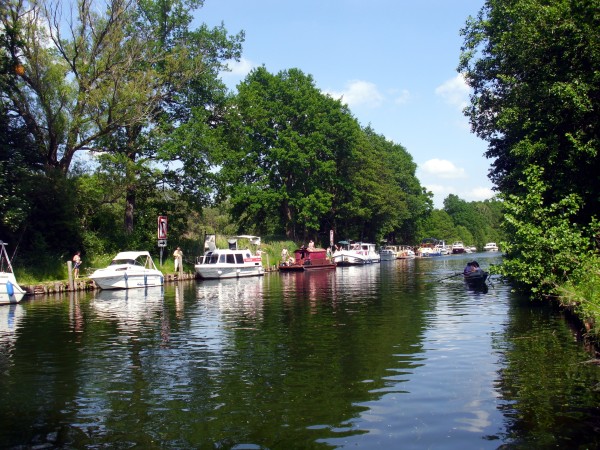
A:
x,y
393,355
130,308
10,318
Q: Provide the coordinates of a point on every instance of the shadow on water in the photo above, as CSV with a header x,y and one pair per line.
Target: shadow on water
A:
x,y
379,356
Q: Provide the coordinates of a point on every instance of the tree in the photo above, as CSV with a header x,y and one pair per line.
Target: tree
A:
x,y
545,245
124,81
533,66
288,145
73,90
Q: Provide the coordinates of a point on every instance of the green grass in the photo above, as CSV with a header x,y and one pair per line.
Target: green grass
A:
x,y
582,294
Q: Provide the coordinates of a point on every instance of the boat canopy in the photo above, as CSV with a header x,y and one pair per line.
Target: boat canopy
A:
x,y
130,255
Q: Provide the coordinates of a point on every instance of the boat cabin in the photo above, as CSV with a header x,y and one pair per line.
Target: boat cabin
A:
x,y
306,256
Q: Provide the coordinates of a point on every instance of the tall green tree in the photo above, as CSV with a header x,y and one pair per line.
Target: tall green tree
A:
x,y
78,80
289,146
533,66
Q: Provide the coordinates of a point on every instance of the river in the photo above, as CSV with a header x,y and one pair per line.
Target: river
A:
x,y
399,354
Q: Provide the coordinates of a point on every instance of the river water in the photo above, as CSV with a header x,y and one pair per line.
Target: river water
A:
x,y
394,355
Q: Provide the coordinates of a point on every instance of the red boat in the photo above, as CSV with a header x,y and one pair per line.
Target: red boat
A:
x,y
308,259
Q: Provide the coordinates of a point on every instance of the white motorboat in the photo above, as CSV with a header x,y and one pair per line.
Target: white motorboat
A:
x,y
229,263
428,248
490,247
388,253
10,291
356,253
458,248
129,270
442,248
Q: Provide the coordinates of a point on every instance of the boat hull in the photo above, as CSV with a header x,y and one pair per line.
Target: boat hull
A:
x,y
127,280
351,260
216,271
307,267
10,291
476,278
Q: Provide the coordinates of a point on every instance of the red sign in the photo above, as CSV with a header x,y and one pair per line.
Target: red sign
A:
x,y
162,227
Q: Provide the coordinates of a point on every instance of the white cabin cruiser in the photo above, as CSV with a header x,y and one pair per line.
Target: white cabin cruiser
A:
x,y
129,270
356,253
229,263
10,291
490,247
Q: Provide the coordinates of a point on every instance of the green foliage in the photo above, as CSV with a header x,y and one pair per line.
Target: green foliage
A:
x,y
474,223
299,161
545,245
533,66
534,69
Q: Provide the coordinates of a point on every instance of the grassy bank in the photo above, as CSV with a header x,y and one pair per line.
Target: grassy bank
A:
x,y
55,269
581,294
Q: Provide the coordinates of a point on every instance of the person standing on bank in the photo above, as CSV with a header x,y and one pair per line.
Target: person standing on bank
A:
x,y
76,264
178,257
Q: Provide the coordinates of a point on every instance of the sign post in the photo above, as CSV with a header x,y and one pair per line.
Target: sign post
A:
x,y
162,235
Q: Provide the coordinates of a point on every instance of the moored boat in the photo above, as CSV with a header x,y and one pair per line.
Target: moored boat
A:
x,y
355,253
429,247
490,247
229,263
458,247
10,291
388,253
442,248
127,270
308,259
405,252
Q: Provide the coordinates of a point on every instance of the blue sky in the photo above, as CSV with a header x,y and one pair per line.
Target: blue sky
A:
x,y
393,61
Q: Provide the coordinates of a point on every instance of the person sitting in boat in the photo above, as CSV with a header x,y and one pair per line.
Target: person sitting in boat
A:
x,y
311,245
468,268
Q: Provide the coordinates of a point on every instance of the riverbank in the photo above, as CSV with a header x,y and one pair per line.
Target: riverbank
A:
x,y
87,284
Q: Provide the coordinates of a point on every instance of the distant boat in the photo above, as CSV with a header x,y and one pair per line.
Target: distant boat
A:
x,y
388,253
10,291
490,247
405,252
442,248
129,270
458,248
308,259
429,247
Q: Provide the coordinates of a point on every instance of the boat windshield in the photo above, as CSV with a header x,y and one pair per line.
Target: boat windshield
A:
x,y
124,261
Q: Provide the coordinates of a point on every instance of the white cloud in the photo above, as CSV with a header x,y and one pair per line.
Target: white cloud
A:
x,y
239,69
359,93
480,193
455,91
442,168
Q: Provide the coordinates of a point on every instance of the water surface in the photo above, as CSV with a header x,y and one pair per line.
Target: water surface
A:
x,y
399,354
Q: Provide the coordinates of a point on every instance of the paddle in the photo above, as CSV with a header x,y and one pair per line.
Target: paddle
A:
x,y
451,276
